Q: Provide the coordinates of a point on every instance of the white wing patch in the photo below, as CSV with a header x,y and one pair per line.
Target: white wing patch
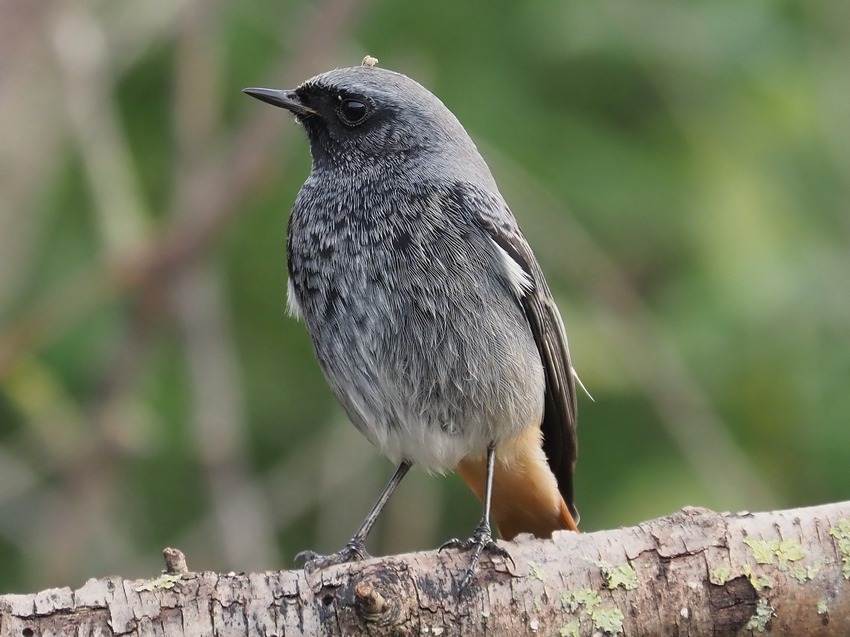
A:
x,y
293,307
520,280
573,371
580,384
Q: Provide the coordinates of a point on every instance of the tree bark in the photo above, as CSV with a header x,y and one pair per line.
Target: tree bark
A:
x,y
692,573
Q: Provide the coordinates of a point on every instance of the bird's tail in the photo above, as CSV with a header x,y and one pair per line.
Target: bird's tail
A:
x,y
526,498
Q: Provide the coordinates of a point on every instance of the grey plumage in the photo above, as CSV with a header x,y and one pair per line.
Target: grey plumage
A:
x,y
431,358
427,310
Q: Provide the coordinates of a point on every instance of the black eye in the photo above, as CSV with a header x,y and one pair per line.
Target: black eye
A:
x,y
353,112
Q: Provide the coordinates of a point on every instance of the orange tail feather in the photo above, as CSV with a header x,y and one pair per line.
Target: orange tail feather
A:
x,y
525,493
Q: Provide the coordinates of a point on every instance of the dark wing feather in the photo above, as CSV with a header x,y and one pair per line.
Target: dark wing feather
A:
x,y
559,418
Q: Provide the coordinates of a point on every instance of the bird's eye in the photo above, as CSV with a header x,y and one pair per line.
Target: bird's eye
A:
x,y
353,112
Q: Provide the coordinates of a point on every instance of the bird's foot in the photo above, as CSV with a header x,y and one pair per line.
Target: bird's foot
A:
x,y
354,551
480,542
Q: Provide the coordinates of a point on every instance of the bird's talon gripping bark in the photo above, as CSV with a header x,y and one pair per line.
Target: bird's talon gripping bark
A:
x,y
480,542
354,551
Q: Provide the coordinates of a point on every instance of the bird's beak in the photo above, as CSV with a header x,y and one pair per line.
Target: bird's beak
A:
x,y
282,99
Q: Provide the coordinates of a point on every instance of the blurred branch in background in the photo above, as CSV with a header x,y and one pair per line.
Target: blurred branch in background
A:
x,y
206,198
239,510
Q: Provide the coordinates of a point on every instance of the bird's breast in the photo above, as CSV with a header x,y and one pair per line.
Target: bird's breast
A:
x,y
430,356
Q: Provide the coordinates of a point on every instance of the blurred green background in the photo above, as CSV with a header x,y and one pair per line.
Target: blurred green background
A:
x,y
681,169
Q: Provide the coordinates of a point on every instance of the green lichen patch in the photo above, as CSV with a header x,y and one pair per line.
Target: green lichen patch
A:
x,y
762,550
719,575
762,616
165,581
570,630
804,574
783,551
758,581
622,575
586,600
823,609
789,551
841,533
608,620
586,597
537,571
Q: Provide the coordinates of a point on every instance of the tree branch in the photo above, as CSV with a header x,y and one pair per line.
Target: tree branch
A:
x,y
695,572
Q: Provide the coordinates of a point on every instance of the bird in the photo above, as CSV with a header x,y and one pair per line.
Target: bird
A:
x,y
427,310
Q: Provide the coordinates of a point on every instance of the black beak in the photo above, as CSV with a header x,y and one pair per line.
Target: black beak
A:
x,y
282,99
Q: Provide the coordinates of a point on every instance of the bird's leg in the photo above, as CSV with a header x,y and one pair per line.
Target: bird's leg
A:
x,y
356,548
482,537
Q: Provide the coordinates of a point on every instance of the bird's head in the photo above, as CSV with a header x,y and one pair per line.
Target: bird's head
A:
x,y
365,116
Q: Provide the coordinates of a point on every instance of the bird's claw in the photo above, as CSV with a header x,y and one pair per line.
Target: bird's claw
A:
x,y
480,542
354,551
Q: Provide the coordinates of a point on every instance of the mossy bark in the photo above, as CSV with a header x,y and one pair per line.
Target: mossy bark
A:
x,y
692,573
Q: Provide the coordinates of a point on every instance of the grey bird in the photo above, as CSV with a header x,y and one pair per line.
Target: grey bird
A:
x,y
428,312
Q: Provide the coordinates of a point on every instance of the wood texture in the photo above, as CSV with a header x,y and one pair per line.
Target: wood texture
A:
x,y
692,573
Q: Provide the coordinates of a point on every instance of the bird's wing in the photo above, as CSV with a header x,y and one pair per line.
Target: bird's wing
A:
x,y
533,295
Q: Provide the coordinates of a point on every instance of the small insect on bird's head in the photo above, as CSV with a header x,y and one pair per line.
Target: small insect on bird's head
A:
x,y
366,115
